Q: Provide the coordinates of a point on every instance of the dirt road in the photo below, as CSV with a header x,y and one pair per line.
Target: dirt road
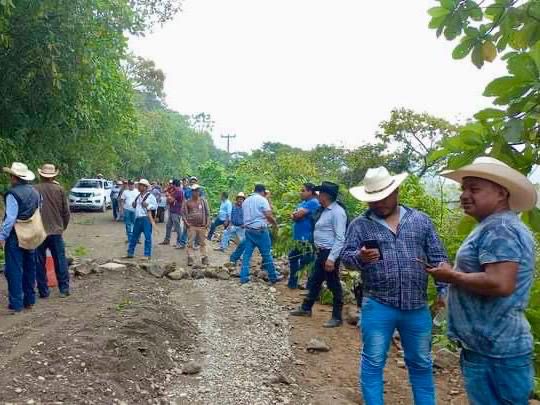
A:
x,y
127,337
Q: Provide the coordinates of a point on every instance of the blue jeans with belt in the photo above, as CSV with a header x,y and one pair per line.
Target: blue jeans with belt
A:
x,y
490,380
20,272
378,323
142,225
55,243
258,238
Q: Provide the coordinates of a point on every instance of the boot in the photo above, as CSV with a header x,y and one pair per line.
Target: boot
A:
x,y
333,323
165,243
205,261
190,261
300,312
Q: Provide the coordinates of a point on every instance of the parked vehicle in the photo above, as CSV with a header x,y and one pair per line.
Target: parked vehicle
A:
x,y
91,194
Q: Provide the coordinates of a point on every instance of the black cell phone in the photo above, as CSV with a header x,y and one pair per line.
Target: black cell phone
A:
x,y
373,244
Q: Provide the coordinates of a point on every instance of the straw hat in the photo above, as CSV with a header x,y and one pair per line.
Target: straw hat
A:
x,y
20,170
144,182
240,195
48,171
523,195
378,184
195,187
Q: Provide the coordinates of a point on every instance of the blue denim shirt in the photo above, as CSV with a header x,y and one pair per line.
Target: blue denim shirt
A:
x,y
12,209
237,215
225,209
494,326
398,280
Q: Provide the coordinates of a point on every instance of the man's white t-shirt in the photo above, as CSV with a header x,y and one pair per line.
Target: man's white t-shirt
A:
x,y
128,197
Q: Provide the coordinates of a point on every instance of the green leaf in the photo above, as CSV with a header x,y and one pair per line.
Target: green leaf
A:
x,y
436,22
523,66
463,49
513,130
473,10
489,113
448,4
494,11
438,12
502,86
535,54
453,27
519,39
489,52
477,57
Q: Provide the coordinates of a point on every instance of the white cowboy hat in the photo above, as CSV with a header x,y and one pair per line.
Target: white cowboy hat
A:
x,y
48,171
523,195
20,170
378,184
240,195
195,187
144,182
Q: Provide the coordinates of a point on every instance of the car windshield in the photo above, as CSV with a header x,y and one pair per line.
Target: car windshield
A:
x,y
88,184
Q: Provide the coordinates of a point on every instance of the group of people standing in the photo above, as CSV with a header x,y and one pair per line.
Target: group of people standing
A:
x,y
35,218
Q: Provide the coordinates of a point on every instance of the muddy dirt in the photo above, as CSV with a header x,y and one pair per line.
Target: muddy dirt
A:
x,y
126,337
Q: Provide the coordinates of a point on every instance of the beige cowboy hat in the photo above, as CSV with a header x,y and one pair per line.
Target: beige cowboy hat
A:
x,y
378,184
144,182
523,195
195,187
48,171
20,170
240,195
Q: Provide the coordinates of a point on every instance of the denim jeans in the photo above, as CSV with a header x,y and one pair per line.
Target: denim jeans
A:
x,y
378,323
239,251
142,225
20,272
316,279
55,243
174,221
490,380
260,239
129,221
299,257
217,222
114,203
231,232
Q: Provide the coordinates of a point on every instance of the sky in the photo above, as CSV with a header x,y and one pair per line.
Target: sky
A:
x,y
308,72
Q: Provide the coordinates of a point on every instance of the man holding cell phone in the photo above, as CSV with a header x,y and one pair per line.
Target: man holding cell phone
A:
x,y
391,245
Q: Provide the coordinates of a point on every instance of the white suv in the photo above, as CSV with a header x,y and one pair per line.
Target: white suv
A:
x,y
94,194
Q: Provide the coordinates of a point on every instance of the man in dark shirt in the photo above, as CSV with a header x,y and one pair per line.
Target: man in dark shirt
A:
x,y
55,215
175,198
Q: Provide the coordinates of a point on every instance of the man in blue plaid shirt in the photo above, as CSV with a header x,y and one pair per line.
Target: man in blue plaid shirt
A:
x,y
388,245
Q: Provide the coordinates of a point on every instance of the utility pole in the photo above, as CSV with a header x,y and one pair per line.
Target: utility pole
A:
x,y
229,137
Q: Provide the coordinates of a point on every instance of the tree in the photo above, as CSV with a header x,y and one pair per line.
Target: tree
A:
x,y
416,135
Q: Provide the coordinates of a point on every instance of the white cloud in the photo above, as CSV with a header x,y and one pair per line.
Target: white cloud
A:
x,y
305,72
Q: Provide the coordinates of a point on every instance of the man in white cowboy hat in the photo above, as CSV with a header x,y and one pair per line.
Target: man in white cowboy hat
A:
x,y
55,216
490,284
21,202
144,203
234,227
387,244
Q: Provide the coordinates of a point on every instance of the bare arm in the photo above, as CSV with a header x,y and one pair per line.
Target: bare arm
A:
x,y
299,214
270,218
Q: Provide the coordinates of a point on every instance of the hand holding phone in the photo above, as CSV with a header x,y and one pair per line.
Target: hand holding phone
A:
x,y
426,264
370,251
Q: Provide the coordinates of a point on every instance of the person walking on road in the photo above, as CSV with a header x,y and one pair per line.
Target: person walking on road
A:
x,y
127,199
175,199
388,245
115,192
144,203
21,202
257,216
196,217
491,282
301,255
235,227
224,214
328,237
55,215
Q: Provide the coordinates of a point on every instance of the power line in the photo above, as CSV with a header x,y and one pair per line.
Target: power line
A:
x,y
228,137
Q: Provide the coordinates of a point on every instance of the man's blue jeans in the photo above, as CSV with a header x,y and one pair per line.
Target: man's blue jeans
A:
x,y
490,380
129,221
20,273
174,222
230,233
299,257
260,239
239,251
378,323
114,203
55,243
217,222
142,225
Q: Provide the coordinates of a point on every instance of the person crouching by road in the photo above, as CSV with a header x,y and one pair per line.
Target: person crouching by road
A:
x,y
490,284
55,215
235,227
328,237
144,203
21,202
196,217
386,244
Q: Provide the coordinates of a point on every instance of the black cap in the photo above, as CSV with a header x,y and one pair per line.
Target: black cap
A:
x,y
328,188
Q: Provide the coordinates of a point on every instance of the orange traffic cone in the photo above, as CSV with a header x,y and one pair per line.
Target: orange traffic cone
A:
x,y
51,274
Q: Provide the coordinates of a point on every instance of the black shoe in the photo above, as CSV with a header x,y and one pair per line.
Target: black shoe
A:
x,y
165,242
300,312
43,295
64,294
333,323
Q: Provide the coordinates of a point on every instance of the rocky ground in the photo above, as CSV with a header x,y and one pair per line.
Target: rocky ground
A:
x,y
127,336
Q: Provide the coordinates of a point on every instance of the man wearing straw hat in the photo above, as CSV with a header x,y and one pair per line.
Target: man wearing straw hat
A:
x,y
388,244
21,202
144,203
55,216
490,284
